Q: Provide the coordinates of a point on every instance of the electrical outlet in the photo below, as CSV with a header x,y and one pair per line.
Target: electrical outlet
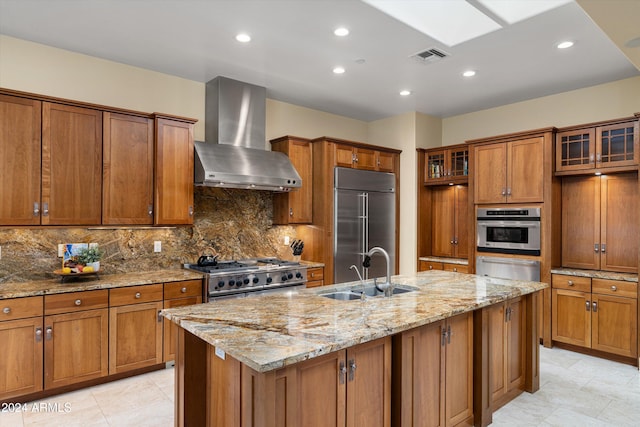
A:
x,y
60,250
286,240
157,246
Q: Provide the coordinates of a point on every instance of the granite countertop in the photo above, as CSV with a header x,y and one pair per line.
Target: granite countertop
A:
x,y
596,274
459,261
92,282
275,330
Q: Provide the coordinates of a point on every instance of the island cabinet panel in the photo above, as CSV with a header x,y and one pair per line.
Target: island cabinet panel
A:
x,y
127,196
433,374
177,294
506,351
173,190
19,160
71,165
22,346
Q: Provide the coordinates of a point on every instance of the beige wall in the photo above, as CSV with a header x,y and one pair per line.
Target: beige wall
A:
x,y
606,101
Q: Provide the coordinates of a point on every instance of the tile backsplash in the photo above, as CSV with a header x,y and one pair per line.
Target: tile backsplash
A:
x,y
233,223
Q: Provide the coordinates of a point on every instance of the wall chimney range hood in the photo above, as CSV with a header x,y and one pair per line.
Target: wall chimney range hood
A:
x,y
234,154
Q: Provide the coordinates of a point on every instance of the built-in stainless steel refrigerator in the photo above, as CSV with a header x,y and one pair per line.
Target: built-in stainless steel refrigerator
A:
x,y
364,217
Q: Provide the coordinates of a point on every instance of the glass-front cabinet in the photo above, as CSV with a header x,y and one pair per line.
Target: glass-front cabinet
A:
x,y
609,145
447,165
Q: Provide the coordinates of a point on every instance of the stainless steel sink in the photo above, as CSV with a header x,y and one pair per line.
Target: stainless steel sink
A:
x,y
369,291
342,296
372,291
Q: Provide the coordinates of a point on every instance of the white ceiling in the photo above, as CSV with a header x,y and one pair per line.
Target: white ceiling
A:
x,y
294,50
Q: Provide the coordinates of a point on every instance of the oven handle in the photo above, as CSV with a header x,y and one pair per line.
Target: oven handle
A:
x,y
507,261
535,224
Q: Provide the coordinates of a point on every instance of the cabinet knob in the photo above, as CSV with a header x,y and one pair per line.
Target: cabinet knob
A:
x,y
38,334
183,290
614,288
603,248
45,207
290,211
596,247
36,209
455,270
150,210
313,274
6,310
48,333
138,295
503,192
570,283
509,191
431,267
190,210
78,302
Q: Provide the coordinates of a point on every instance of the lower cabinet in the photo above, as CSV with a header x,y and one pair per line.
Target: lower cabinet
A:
x,y
177,294
315,277
76,337
595,313
506,350
447,266
22,345
433,374
135,327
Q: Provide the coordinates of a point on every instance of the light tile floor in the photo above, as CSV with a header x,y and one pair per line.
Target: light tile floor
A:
x,y
575,390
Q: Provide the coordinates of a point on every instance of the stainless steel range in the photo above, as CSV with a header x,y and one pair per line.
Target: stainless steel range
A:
x,y
243,278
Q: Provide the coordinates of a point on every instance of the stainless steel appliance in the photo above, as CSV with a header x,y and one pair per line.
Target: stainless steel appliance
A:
x,y
510,230
508,268
364,217
243,278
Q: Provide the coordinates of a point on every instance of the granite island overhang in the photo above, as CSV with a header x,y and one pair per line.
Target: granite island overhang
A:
x,y
268,334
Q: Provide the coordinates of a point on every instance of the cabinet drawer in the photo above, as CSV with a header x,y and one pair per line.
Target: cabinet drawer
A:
x,y
615,287
428,265
20,308
314,274
459,268
75,301
314,284
186,288
135,294
574,283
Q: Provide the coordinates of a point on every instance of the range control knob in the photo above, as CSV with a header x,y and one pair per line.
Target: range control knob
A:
x,y
232,282
269,279
246,281
298,275
256,280
284,277
289,276
220,284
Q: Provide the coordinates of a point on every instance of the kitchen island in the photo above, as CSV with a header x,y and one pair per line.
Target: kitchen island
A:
x,y
305,359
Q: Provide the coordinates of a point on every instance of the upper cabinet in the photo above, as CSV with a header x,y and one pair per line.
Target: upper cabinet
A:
x,y
358,157
608,146
449,221
20,160
174,171
71,165
509,172
446,166
295,207
127,189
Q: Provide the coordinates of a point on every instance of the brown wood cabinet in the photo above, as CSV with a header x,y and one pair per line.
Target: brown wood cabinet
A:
x,y
173,189
449,221
447,266
596,313
20,126
447,165
135,327
127,189
430,265
76,342
506,351
355,157
456,268
433,374
71,165
295,207
315,277
509,172
177,294
603,146
600,222
22,346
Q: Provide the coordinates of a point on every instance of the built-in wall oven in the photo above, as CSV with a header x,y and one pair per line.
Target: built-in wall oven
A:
x,y
508,230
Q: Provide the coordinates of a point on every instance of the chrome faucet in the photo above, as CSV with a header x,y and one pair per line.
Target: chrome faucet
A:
x,y
385,287
355,268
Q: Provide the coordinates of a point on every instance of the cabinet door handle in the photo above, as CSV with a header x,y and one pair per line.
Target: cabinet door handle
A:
x,y
570,283
588,305
78,302
45,209
38,334
352,369
591,159
596,247
452,242
614,288
290,211
509,191
138,295
36,209
455,269
431,267
504,192
598,157
342,371
190,210
150,210
6,310
48,333
183,290
603,248
449,333
443,337
159,316
594,307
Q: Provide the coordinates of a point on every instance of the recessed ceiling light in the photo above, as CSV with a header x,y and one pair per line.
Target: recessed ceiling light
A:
x,y
405,92
469,73
565,45
243,38
341,32
339,70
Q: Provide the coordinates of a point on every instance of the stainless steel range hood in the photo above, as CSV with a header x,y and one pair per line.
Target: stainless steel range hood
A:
x,y
234,154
